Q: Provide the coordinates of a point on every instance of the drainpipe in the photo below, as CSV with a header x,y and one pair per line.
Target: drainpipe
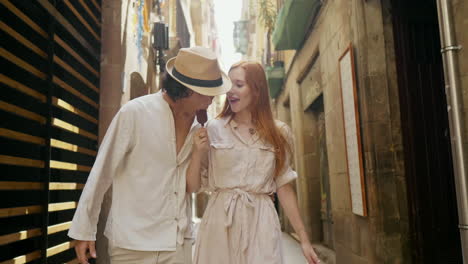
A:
x,y
454,101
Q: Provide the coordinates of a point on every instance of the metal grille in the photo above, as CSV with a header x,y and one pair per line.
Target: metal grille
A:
x,y
49,123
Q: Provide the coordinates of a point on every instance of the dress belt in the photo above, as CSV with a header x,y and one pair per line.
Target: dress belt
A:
x,y
247,199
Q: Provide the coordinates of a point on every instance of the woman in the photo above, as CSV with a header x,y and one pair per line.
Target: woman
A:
x,y
244,160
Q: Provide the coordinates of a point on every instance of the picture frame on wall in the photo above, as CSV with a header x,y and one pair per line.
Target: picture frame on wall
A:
x,y
352,131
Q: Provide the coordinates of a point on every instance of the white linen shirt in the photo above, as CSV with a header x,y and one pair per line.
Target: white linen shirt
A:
x,y
150,209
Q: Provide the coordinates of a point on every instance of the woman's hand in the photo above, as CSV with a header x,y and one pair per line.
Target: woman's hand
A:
x,y
201,146
309,253
288,200
201,143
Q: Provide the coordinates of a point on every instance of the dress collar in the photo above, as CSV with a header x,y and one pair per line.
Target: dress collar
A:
x,y
229,121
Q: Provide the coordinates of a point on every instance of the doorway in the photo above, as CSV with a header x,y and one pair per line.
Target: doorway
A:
x,y
425,131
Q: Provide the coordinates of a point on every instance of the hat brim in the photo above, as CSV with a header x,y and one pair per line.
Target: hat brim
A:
x,y
209,91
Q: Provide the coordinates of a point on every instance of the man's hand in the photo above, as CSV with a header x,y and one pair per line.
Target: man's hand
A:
x,y
82,247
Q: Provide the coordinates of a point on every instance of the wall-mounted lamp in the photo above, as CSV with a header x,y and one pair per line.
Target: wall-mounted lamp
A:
x,y
160,42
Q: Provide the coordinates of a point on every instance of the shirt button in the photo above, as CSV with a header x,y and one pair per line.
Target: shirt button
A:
x,y
176,219
175,192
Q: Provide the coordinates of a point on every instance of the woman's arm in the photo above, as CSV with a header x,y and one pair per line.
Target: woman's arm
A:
x,y
200,150
193,173
288,200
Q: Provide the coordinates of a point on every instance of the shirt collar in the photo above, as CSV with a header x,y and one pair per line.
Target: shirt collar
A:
x,y
233,124
160,97
230,121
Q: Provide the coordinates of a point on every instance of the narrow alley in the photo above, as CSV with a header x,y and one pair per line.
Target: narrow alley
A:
x,y
355,149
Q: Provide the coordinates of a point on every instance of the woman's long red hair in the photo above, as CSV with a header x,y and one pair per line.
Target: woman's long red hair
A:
x,y
260,109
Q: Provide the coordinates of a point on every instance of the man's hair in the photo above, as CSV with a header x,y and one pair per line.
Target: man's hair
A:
x,y
174,89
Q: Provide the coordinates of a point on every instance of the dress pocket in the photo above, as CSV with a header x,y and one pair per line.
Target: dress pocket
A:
x,y
224,156
265,161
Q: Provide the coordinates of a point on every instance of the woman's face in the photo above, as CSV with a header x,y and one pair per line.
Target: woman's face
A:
x,y
240,96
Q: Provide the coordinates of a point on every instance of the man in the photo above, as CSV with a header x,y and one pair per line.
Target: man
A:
x,y
144,156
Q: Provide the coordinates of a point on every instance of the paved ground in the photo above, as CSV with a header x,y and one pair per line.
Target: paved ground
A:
x,y
292,251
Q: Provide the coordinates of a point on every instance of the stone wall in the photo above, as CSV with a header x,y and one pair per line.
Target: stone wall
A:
x,y
460,19
111,96
382,236
118,56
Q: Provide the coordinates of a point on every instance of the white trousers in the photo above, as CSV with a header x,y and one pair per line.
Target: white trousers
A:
x,y
182,255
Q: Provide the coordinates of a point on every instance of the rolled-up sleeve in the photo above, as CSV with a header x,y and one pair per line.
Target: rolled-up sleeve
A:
x,y
287,174
116,144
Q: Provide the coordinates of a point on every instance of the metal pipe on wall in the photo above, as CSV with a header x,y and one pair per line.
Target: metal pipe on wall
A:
x,y
454,101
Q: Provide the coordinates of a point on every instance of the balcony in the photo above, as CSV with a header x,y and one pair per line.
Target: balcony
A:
x,y
293,22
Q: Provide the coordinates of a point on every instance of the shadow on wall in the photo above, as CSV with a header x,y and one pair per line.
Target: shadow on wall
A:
x,y
138,86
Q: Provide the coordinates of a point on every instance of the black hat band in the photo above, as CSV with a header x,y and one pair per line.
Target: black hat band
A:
x,y
197,82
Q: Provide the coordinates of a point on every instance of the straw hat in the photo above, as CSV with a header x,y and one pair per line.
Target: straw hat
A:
x,y
198,69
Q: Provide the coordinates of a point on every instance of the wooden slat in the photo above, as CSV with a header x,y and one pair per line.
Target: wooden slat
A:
x,y
10,160
72,90
22,40
82,20
69,127
60,248
96,5
60,165
18,236
64,105
24,17
11,134
75,55
70,147
22,88
91,14
58,228
21,63
24,259
75,73
22,112
12,185
16,211
53,186
26,234
47,5
54,207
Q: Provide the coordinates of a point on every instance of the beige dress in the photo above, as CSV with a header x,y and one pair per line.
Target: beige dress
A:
x,y
240,224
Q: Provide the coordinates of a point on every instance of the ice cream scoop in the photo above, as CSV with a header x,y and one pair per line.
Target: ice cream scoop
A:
x,y
202,117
